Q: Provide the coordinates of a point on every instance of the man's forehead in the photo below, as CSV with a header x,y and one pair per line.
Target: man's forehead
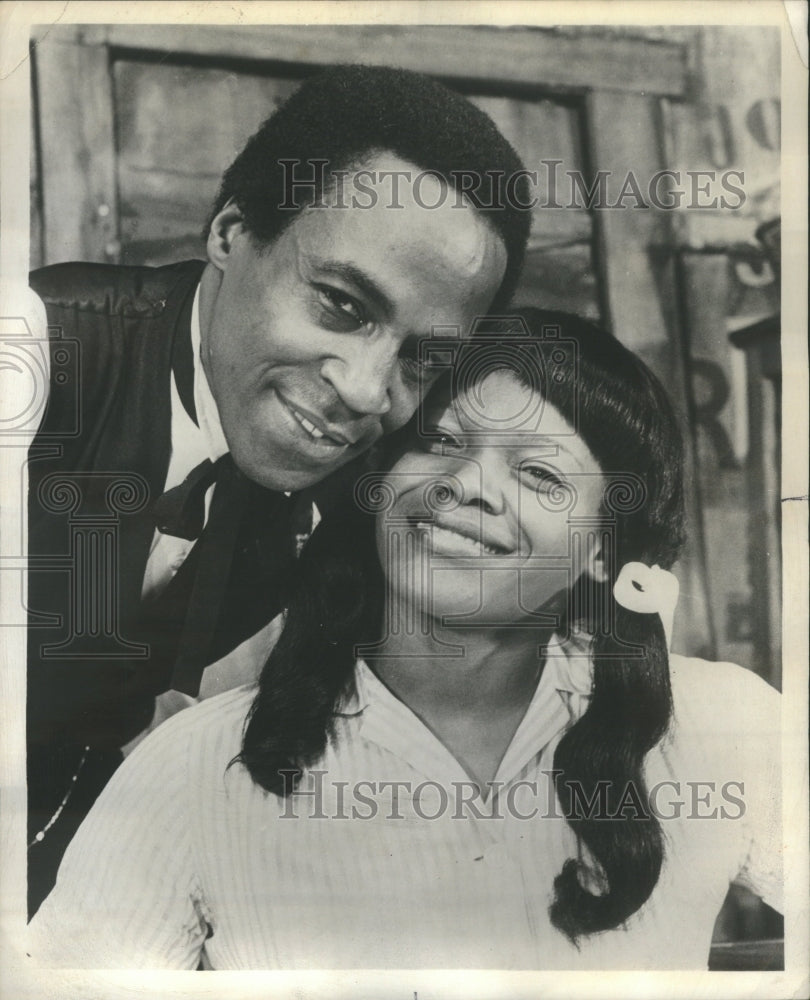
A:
x,y
460,228
392,197
394,255
403,180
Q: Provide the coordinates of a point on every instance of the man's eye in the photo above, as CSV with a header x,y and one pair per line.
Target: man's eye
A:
x,y
340,304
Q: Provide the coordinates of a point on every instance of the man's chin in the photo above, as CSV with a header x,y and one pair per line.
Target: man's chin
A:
x,y
286,477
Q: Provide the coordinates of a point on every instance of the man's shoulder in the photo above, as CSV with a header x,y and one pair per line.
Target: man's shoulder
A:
x,y
111,289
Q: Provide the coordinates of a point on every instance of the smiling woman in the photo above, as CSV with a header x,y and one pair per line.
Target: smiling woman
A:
x,y
471,746
502,461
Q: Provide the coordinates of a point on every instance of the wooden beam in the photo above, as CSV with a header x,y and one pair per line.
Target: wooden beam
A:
x,y
622,132
543,58
77,138
638,280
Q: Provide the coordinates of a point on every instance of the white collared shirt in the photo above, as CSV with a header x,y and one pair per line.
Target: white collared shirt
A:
x,y
184,857
191,444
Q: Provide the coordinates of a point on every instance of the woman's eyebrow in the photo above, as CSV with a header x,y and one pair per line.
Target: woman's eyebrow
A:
x,y
536,446
432,428
548,447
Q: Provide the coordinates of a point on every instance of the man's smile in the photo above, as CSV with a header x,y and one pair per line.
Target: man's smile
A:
x,y
318,432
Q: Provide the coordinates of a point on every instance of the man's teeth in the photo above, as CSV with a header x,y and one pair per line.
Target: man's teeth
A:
x,y
308,426
446,538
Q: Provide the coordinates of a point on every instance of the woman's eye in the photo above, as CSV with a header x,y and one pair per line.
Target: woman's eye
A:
x,y
438,441
540,476
340,304
415,370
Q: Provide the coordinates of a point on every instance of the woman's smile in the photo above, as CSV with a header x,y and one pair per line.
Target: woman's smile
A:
x,y
451,536
493,536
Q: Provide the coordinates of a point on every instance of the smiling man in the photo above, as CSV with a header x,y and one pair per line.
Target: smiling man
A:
x,y
180,459
326,358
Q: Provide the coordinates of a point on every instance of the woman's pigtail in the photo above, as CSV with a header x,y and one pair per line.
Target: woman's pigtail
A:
x,y
333,602
599,775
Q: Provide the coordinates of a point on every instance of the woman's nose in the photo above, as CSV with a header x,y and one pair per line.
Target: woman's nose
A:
x,y
482,477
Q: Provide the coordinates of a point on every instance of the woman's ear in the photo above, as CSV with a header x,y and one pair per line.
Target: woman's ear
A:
x,y
226,225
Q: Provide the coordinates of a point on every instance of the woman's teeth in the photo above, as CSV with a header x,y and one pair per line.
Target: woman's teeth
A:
x,y
445,540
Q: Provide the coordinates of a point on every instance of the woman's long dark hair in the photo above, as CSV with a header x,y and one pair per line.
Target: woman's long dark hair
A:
x,y
335,604
624,416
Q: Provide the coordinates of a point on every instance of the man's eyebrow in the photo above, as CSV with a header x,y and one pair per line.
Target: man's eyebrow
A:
x,y
352,274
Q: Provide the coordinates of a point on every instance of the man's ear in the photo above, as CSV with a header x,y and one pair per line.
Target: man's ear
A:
x,y
595,565
226,225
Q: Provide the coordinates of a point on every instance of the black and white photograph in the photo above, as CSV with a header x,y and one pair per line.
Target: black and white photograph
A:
x,y
404,551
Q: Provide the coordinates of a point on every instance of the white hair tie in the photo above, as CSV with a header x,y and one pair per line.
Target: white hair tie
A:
x,y
648,590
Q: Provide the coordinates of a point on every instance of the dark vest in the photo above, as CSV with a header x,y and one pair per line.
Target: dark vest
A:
x,y
98,461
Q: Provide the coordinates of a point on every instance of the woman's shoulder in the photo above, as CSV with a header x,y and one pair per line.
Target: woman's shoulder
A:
x,y
717,697
214,723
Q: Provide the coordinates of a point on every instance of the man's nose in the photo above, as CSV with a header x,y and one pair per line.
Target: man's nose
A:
x,y
363,376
